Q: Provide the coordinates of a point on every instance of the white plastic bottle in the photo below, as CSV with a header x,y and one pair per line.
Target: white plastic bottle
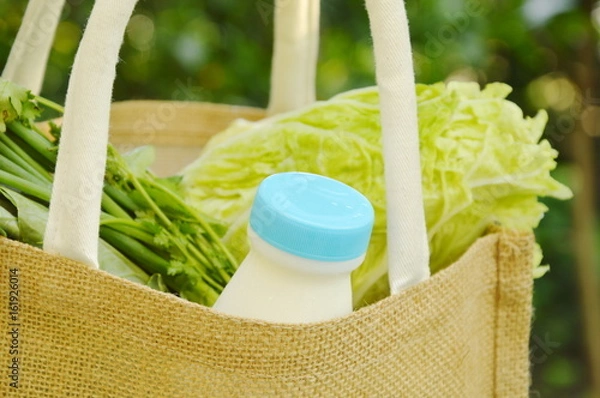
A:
x,y
307,234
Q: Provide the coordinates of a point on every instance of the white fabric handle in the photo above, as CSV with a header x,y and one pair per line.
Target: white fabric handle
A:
x,y
407,245
293,86
73,224
26,63
74,213
295,53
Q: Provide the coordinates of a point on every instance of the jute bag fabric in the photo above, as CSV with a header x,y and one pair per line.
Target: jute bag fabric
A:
x,y
79,331
84,333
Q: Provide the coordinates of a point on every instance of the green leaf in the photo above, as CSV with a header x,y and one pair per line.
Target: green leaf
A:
x,y
157,282
16,103
113,262
140,159
31,217
171,183
9,223
55,131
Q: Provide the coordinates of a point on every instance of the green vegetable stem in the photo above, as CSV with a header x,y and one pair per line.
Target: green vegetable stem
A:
x,y
148,234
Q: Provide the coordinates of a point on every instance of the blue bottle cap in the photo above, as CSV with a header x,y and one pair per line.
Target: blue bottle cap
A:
x,y
312,216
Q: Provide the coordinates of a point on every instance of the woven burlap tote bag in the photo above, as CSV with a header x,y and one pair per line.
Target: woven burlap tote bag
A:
x,y
75,330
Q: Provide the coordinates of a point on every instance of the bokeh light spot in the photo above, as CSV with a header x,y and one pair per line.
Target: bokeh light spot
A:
x,y
67,37
140,32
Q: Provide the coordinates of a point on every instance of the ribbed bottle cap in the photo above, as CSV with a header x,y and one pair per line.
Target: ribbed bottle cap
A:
x,y
312,216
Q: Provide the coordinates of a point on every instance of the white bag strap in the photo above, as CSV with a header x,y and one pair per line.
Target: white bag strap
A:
x,y
407,246
74,212
293,82
73,223
295,53
26,63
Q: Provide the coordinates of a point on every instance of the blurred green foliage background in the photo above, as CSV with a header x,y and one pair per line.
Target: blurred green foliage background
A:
x,y
547,50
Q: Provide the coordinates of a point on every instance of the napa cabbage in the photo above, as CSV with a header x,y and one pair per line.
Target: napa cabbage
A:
x,y
482,163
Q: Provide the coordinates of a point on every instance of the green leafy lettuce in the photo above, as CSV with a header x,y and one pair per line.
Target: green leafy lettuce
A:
x,y
482,163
